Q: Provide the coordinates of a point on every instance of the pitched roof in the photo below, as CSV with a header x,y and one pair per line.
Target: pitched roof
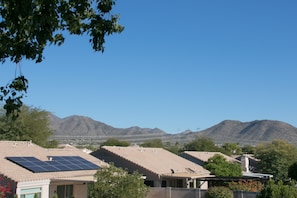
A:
x,y
28,149
158,161
204,156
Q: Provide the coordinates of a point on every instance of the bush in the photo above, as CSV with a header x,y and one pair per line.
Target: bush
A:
x,y
246,186
219,192
278,189
114,182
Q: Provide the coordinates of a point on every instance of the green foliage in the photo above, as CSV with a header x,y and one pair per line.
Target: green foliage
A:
x,y
13,94
201,144
26,28
292,171
278,189
113,182
219,192
31,124
276,158
155,143
219,166
248,149
245,185
114,142
90,147
173,148
55,195
51,144
231,149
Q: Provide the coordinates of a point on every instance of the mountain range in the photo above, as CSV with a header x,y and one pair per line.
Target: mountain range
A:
x,y
84,130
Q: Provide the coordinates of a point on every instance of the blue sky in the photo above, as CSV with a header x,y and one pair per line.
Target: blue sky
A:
x,y
178,65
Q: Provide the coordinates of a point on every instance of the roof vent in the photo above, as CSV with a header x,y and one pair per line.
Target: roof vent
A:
x,y
29,143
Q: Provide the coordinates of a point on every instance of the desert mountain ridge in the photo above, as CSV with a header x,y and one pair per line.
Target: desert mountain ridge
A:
x,y
84,129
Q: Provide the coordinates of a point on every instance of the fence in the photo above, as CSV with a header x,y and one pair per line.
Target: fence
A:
x,y
169,192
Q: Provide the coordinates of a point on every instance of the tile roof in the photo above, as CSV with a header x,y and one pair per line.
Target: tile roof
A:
x,y
28,149
204,156
158,161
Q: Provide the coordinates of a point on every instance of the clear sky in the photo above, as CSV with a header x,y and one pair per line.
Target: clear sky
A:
x,y
178,65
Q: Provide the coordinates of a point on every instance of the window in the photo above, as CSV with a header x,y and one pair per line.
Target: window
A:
x,y
179,183
30,193
65,191
149,183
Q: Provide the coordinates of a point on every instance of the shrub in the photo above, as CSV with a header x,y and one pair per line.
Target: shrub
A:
x,y
247,186
219,192
114,182
278,189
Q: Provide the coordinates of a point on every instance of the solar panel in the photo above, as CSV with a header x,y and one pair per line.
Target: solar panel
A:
x,y
57,163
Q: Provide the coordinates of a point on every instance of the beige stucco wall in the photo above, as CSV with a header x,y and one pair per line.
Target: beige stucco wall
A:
x,y
80,189
43,184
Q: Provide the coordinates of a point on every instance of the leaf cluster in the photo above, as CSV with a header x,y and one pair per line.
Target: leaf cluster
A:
x,y
31,124
115,142
231,149
219,192
245,185
292,171
276,158
13,94
219,166
113,182
155,143
201,143
278,189
27,27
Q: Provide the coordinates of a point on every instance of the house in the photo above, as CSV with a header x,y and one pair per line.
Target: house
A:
x,y
31,170
159,167
201,157
248,163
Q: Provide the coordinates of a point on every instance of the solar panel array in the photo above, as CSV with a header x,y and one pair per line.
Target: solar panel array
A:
x,y
57,163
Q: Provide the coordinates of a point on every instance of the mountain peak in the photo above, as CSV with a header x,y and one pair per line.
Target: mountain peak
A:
x,y
253,132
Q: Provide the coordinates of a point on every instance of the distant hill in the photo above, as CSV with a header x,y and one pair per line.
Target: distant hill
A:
x,y
81,129
251,132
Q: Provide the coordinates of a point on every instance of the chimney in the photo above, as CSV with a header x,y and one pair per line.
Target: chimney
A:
x,y
245,163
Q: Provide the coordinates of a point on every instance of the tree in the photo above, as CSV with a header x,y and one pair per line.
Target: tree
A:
x,y
248,149
173,147
292,171
231,148
31,124
278,189
276,158
113,182
114,142
154,143
219,166
201,144
27,27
